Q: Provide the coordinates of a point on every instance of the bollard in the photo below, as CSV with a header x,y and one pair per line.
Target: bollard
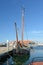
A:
x,y
7,46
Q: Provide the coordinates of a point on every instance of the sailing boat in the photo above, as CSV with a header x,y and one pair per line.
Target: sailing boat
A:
x,y
21,55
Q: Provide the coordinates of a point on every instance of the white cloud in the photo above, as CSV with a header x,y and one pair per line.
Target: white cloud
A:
x,y
36,32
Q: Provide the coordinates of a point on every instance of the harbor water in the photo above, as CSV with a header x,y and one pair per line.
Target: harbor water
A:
x,y
36,54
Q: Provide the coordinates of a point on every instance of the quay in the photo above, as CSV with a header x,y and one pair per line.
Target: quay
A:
x,y
5,49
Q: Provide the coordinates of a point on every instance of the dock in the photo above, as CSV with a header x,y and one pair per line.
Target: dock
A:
x,y
4,49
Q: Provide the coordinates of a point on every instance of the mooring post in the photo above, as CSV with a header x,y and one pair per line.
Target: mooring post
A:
x,y
7,45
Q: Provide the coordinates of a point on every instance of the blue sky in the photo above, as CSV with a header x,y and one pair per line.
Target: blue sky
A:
x,y
10,12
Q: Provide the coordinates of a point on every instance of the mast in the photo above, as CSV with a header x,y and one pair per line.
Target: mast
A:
x,y
22,25
16,33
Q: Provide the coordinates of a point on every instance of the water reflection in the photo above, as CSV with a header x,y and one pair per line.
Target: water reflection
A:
x,y
8,61
36,53
16,59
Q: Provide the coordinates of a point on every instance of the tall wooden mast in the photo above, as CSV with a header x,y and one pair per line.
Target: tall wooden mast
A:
x,y
16,33
22,25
